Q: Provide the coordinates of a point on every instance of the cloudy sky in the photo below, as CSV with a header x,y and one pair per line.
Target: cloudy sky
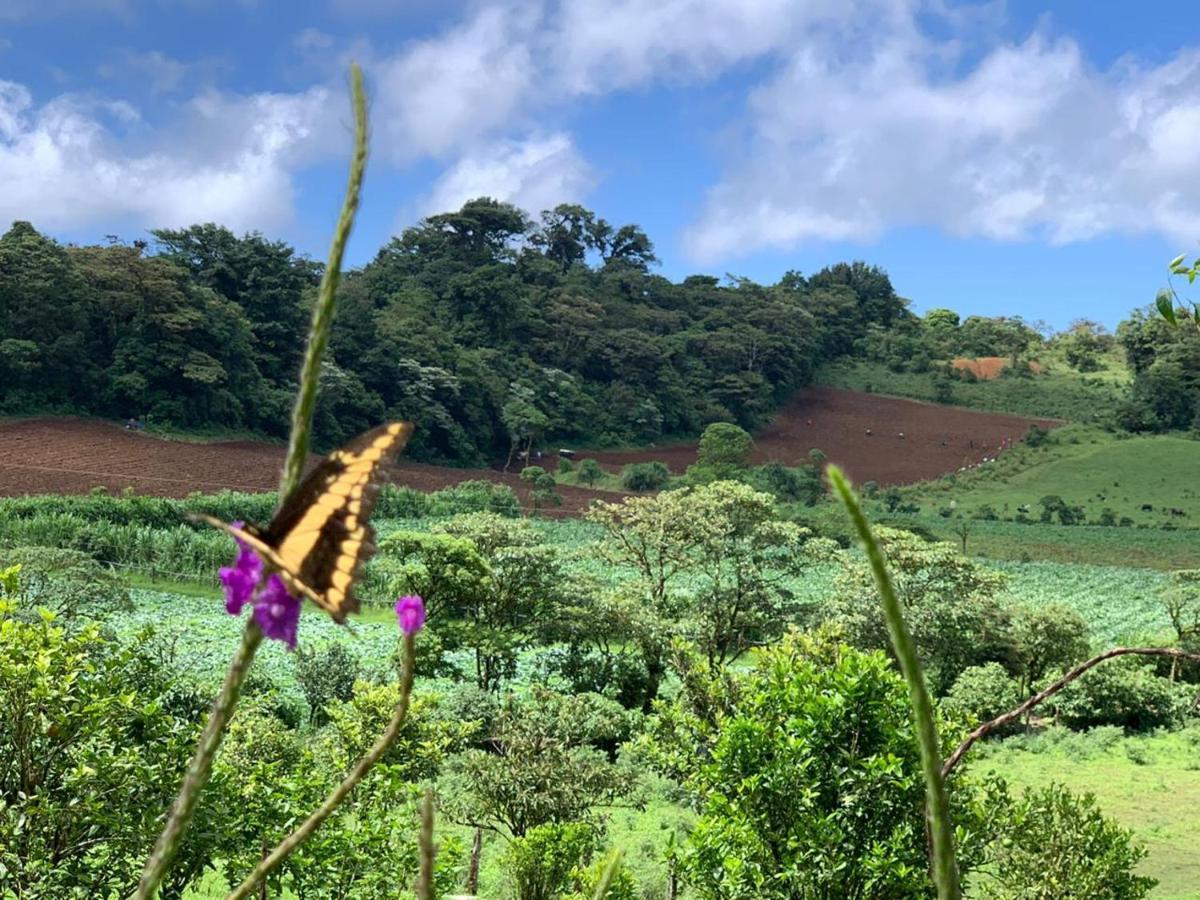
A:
x,y
993,157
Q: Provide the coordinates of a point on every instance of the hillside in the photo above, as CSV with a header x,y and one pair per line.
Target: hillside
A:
x,y
875,438
1152,481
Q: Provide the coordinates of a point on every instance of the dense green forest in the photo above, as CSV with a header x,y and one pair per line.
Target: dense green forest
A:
x,y
490,331
485,329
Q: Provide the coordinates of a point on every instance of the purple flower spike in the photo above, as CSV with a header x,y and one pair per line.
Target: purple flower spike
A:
x,y
241,579
410,612
277,612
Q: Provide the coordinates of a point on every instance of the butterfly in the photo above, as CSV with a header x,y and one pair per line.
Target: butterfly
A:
x,y
320,538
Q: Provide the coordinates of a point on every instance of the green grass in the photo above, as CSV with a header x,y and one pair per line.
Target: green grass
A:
x,y
1086,467
1055,395
1157,798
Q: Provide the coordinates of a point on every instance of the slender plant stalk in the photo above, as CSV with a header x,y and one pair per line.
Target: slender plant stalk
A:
x,y
611,868
322,319
945,872
200,767
428,849
302,833
1013,714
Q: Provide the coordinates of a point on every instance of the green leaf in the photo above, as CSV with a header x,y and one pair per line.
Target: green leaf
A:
x,y
1165,307
1176,261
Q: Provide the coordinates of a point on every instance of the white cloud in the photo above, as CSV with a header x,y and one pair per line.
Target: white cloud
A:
x,y
1029,142
534,174
601,45
226,159
441,94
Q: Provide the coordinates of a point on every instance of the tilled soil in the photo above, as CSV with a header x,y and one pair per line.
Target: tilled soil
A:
x,y
72,456
874,437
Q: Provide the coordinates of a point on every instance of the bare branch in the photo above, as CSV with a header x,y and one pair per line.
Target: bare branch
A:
x,y
988,727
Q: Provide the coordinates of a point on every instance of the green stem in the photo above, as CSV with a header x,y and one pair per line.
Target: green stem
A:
x,y
606,877
428,849
945,872
200,767
289,844
322,318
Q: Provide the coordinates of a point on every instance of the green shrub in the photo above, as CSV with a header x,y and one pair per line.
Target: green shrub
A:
x,y
623,886
796,769
325,675
724,444
66,582
541,862
590,471
981,693
1053,845
1124,692
88,759
648,476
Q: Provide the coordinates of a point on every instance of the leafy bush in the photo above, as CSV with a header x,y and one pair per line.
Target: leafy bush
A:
x,y
542,861
590,471
66,582
1124,692
325,675
622,887
724,444
981,693
88,757
648,476
1053,845
807,777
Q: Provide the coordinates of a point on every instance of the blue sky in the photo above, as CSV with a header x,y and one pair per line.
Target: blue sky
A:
x,y
993,157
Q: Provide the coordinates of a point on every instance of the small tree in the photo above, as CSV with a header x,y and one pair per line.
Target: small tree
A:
x,y
590,471
949,603
1053,845
489,577
650,476
1181,603
543,764
544,487
724,444
807,777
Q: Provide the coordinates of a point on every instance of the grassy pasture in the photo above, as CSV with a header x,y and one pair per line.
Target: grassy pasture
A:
x,y
1056,394
1150,784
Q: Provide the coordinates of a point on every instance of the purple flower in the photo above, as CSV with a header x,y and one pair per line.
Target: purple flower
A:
x,y
277,612
241,579
410,612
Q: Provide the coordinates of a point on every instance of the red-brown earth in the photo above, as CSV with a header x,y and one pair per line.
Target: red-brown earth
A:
x,y
72,456
936,439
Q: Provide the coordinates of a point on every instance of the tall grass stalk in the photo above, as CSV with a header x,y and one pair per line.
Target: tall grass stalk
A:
x,y
200,766
305,830
945,871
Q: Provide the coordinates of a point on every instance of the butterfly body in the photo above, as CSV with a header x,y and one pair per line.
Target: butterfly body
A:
x,y
321,536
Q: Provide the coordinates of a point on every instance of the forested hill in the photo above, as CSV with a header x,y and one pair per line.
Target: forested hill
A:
x,y
485,328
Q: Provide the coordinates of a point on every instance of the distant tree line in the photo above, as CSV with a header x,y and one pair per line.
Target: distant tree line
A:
x,y
491,331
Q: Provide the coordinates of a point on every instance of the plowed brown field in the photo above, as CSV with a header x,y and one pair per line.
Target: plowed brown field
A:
x,y
936,439
72,456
